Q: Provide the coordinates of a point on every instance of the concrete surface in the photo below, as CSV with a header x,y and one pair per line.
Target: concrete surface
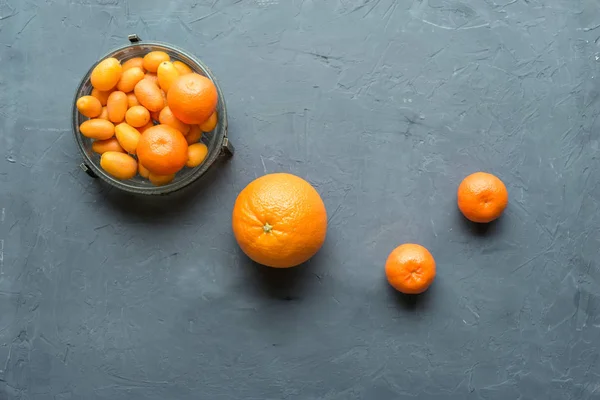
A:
x,y
384,106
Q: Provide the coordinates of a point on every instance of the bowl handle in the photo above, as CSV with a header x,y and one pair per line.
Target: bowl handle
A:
x,y
133,38
88,170
227,148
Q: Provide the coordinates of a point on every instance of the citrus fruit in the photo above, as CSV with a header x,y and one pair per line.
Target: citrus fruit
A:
x,y
166,74
137,116
102,146
143,171
129,79
194,135
119,165
145,127
103,114
149,95
482,197
128,137
210,123
117,106
279,220
166,117
97,129
182,68
132,100
152,77
106,74
89,106
102,96
133,62
192,98
160,180
410,268
162,150
153,59
196,154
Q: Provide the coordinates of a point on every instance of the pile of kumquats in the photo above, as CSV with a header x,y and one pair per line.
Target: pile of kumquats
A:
x,y
147,116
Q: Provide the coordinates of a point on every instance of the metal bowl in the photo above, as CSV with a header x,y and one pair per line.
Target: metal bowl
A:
x,y
217,142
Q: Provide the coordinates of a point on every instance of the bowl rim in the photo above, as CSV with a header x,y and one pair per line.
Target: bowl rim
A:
x,y
221,137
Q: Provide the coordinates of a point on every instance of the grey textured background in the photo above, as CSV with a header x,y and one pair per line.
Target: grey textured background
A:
x,y
384,106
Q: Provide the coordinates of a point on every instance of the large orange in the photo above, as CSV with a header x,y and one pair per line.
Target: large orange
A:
x,y
162,150
410,268
279,220
192,98
482,197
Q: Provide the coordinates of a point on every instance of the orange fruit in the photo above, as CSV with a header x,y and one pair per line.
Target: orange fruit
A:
x,y
210,123
97,129
149,95
192,98
128,137
196,154
153,59
89,106
132,100
106,74
129,79
137,116
166,117
152,77
101,96
166,74
279,220
119,165
145,127
102,146
182,68
410,268
164,95
482,197
143,171
116,106
103,114
160,180
194,135
133,62
162,150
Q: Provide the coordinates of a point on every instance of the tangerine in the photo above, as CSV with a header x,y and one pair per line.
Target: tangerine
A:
x,y
192,98
482,197
410,268
163,150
